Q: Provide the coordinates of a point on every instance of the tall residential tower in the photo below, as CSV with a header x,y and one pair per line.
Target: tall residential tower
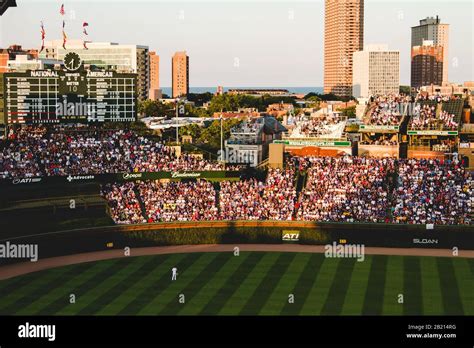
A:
x,y
180,74
343,35
427,64
431,29
155,91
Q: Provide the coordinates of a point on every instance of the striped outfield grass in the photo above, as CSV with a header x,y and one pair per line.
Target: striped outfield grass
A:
x,y
249,284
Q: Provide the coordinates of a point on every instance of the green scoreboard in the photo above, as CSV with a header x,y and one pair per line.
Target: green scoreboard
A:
x,y
73,95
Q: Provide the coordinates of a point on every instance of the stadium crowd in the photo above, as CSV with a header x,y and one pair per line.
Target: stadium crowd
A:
x,y
432,192
346,189
317,126
279,195
447,120
16,156
241,200
436,98
123,202
76,150
380,140
178,201
425,118
387,110
338,189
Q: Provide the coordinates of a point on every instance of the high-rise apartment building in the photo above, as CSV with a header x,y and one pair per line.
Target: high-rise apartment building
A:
x,y
154,70
343,35
426,64
180,74
431,29
376,71
155,91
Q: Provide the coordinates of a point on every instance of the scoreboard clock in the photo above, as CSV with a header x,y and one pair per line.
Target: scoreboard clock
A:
x,y
72,61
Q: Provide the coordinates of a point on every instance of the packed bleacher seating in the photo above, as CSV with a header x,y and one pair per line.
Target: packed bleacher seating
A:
x,y
432,192
437,98
76,150
387,110
424,117
346,190
318,126
447,120
436,112
241,200
178,201
123,203
255,200
338,189
279,194
17,158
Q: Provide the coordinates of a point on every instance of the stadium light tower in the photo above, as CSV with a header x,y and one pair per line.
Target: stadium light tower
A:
x,y
177,110
222,139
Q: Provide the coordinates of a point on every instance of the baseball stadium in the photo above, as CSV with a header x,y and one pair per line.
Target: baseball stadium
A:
x,y
332,220
241,172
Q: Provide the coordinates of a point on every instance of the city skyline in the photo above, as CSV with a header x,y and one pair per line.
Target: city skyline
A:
x,y
244,44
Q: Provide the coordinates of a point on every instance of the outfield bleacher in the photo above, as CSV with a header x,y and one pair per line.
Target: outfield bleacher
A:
x,y
454,107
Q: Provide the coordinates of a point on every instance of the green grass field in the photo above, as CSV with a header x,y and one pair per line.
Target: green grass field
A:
x,y
249,284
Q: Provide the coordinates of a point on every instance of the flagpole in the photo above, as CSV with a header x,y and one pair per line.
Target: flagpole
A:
x,y
177,136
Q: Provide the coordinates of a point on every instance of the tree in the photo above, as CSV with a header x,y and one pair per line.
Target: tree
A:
x,y
155,108
224,102
192,111
405,90
212,134
193,130
232,102
350,112
325,97
200,98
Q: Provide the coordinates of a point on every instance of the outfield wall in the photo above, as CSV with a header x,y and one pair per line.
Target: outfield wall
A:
x,y
244,232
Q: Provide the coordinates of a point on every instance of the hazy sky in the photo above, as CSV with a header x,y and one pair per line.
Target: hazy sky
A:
x,y
241,43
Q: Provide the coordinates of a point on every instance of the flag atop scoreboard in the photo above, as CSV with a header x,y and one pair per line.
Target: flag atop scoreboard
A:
x,y
73,94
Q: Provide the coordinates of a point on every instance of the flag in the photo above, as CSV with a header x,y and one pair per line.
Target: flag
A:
x,y
64,36
61,11
43,35
84,25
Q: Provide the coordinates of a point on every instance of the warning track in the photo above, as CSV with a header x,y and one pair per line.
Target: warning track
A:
x,y
10,271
